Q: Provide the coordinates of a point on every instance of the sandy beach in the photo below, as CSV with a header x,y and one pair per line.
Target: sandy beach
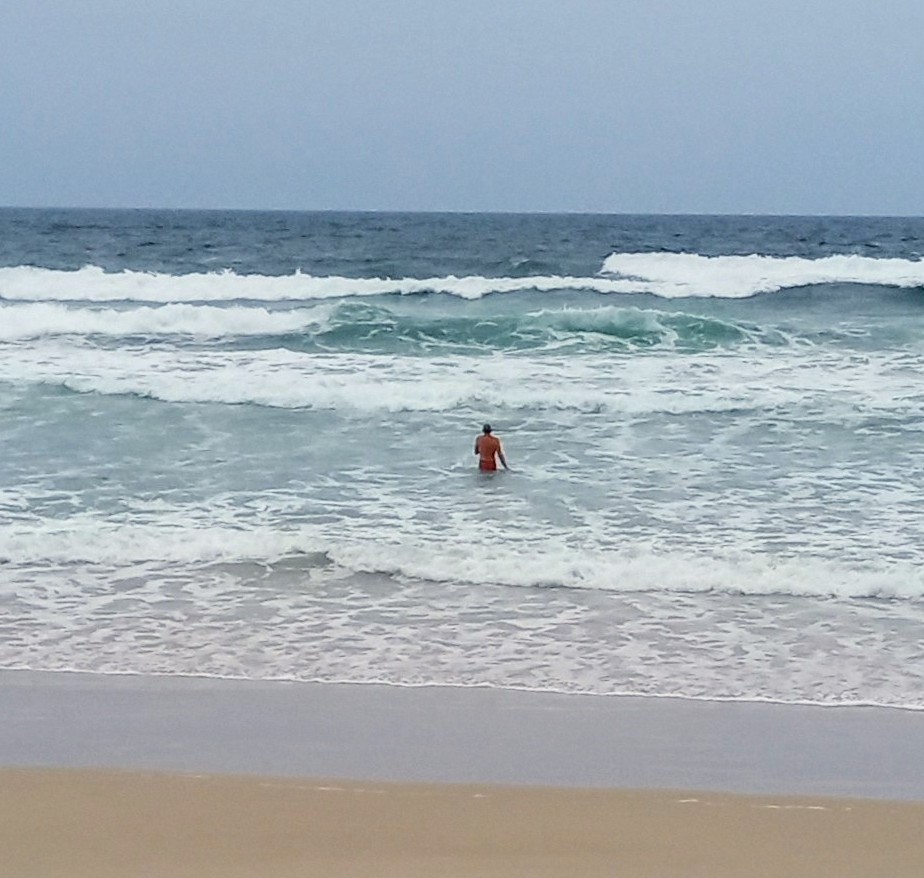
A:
x,y
103,823
126,776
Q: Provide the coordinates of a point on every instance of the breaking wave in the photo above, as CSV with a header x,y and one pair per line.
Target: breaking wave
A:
x,y
85,541
668,275
685,275
352,326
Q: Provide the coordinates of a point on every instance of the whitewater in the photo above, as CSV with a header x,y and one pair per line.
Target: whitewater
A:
x,y
241,445
668,275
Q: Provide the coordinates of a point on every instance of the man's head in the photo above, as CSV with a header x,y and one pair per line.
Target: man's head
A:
x,y
486,429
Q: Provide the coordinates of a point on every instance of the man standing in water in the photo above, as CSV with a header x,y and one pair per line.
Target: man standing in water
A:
x,y
489,448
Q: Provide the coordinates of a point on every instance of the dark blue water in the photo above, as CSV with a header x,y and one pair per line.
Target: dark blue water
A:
x,y
420,245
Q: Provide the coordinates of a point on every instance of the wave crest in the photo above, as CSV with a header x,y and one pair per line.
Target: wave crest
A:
x,y
668,275
353,326
92,284
687,275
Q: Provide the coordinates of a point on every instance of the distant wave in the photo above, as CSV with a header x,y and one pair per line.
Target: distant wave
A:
x,y
92,284
685,275
668,275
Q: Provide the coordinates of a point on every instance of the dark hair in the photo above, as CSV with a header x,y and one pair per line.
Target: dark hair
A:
x,y
486,428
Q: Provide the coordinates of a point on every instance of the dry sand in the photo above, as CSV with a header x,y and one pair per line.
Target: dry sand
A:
x,y
97,824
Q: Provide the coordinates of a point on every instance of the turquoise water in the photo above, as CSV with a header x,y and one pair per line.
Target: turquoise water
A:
x,y
240,444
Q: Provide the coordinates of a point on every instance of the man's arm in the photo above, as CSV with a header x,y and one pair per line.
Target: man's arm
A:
x,y
500,454
477,442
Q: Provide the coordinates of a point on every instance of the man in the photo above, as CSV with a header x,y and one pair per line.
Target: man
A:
x,y
489,448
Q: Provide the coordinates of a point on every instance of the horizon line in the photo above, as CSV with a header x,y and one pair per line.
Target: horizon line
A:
x,y
459,212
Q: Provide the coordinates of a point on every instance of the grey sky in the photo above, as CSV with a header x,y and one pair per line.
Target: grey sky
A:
x,y
678,106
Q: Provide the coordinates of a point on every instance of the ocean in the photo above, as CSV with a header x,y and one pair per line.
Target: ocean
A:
x,y
240,445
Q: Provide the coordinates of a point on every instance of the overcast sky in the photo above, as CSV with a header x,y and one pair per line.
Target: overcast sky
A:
x,y
664,106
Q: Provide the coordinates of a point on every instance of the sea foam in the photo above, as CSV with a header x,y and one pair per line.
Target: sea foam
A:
x,y
92,284
680,275
356,382
84,540
25,321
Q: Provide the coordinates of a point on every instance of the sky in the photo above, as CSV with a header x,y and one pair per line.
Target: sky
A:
x,y
603,106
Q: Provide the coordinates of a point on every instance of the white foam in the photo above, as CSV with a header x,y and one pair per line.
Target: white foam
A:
x,y
276,378
91,540
202,321
192,536
680,275
92,284
635,569
281,378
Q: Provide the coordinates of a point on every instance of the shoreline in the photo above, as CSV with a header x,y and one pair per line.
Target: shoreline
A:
x,y
468,687
457,735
